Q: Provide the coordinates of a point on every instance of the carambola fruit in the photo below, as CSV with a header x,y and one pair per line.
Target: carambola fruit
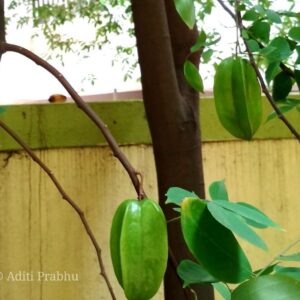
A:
x,y
139,247
237,96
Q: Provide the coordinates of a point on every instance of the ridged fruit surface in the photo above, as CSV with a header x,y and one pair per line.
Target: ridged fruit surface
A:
x,y
237,96
139,247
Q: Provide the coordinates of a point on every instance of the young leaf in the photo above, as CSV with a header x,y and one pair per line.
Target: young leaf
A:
x,y
223,290
213,244
236,224
291,257
186,10
217,190
275,287
176,195
192,273
250,212
282,86
192,76
292,272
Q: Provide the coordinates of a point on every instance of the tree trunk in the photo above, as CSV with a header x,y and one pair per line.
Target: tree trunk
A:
x,y
172,112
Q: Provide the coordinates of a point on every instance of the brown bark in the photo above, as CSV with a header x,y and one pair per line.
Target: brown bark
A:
x,y
172,112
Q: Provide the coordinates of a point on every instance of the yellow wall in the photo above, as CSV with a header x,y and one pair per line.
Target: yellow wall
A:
x,y
40,232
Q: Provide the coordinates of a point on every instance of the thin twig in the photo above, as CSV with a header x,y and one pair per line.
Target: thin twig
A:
x,y
66,197
279,254
238,19
5,47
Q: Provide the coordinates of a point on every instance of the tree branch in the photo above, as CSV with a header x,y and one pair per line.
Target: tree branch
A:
x,y
66,197
5,47
238,19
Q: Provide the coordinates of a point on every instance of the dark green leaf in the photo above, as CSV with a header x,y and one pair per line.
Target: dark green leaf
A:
x,y
176,195
291,257
192,76
191,273
294,33
213,244
260,30
272,70
236,224
273,287
277,50
282,86
273,16
292,272
223,290
251,15
186,10
217,190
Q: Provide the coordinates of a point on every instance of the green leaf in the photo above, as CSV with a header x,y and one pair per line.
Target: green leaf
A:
x,y
282,86
236,224
277,50
291,257
266,271
273,16
297,62
206,55
251,15
212,244
292,272
272,70
297,78
250,212
253,45
223,290
2,109
273,287
251,222
176,195
192,273
186,10
260,30
200,42
294,33
283,109
192,76
217,190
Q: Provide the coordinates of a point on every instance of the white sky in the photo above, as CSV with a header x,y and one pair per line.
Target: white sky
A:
x,y
22,81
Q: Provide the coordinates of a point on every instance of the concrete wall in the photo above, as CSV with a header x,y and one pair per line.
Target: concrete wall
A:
x,y
39,232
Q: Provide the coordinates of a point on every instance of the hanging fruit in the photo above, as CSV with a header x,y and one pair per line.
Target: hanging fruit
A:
x,y
139,247
237,96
